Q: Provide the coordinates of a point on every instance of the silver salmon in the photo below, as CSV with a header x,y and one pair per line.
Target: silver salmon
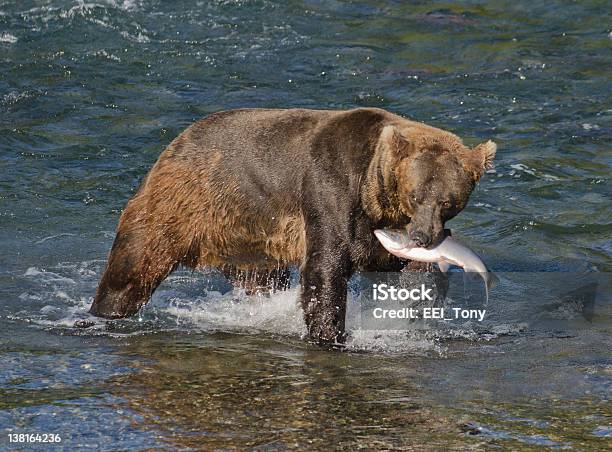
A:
x,y
448,252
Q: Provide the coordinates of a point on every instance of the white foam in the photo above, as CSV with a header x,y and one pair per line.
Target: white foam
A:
x,y
141,38
587,126
46,276
104,54
235,311
182,305
8,38
391,341
280,314
523,168
51,237
128,5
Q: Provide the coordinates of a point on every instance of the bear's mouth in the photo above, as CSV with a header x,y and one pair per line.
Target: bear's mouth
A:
x,y
437,239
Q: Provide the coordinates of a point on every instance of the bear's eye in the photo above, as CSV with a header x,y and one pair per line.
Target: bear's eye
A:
x,y
446,204
413,198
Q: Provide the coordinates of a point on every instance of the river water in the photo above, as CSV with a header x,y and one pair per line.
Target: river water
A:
x,y
91,92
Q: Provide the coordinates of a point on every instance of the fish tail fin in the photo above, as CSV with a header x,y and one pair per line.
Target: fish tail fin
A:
x,y
491,280
443,266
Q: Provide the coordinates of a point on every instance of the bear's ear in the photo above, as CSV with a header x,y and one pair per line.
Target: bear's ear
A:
x,y
480,158
393,141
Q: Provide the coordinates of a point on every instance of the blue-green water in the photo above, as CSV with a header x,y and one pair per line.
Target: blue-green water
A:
x,y
91,92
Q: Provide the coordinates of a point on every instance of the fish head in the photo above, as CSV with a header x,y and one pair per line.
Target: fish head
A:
x,y
394,240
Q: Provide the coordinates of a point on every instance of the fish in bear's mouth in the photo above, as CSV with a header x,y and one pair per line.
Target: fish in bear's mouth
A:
x,y
448,252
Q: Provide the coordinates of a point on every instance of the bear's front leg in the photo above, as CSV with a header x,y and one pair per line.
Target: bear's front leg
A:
x,y
325,273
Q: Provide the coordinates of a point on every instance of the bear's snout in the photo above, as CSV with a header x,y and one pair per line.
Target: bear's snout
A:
x,y
420,238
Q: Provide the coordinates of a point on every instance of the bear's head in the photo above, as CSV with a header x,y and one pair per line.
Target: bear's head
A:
x,y
426,177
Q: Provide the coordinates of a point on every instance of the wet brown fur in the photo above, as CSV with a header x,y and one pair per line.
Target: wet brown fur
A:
x,y
268,189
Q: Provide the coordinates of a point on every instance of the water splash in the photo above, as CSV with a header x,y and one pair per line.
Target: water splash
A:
x,y
189,302
8,38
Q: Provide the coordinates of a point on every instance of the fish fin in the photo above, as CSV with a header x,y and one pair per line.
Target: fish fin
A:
x,y
443,266
491,280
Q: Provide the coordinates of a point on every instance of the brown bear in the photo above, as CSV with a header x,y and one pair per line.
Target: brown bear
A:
x,y
266,189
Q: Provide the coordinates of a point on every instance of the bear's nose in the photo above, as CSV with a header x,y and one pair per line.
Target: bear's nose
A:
x,y
420,238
